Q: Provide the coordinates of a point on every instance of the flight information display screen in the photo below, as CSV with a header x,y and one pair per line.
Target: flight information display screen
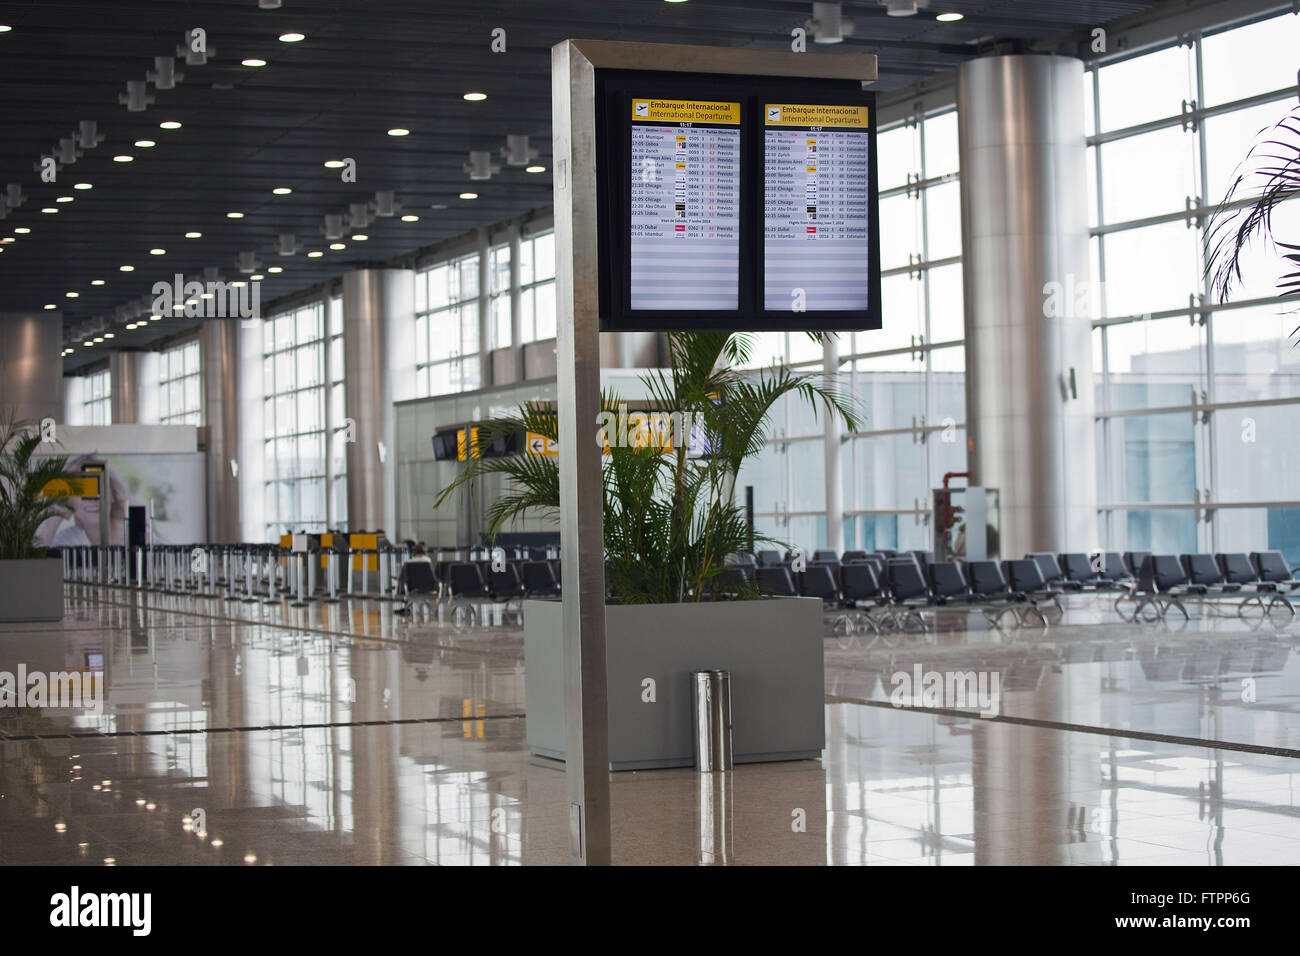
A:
x,y
684,216
816,208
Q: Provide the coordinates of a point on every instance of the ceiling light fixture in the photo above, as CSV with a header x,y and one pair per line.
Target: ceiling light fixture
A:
x,y
157,252
334,164
534,169
124,159
257,277
360,237
475,97
154,318
96,281
281,190
336,246
315,254
50,305
126,268
276,269
399,131
64,199
193,235
410,218
110,335
469,195
5,29
169,124
97,339
292,37
950,17
145,143
22,230
49,209
82,186
252,61
234,215
72,295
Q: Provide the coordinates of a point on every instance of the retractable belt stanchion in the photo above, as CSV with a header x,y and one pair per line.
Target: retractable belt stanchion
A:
x,y
250,571
272,575
297,579
139,568
331,576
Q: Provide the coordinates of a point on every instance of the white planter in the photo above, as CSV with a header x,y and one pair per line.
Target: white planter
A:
x,y
772,647
31,590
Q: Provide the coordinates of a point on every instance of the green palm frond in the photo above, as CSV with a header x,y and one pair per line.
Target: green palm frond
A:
x,y
23,477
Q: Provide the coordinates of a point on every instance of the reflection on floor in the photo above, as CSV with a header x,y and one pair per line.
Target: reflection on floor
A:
x,y
343,734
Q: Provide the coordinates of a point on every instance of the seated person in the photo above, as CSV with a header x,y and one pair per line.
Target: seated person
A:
x,y
420,553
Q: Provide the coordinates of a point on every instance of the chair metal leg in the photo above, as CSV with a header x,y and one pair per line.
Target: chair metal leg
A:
x,y
1174,602
1031,610
1275,601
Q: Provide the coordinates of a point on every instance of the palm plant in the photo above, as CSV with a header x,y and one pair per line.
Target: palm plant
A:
x,y
1269,175
23,476
670,519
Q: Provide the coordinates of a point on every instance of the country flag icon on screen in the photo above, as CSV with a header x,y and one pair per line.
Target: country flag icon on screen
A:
x,y
774,113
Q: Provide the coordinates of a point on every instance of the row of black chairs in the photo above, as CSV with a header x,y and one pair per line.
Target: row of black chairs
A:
x,y
1260,579
456,582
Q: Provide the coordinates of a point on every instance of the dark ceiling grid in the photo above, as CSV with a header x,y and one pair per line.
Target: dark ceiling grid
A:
x,y
364,68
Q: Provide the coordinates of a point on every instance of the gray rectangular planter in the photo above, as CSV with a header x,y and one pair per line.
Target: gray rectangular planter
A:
x,y
31,590
773,649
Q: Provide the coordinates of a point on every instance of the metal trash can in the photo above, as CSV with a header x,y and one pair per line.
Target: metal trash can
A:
x,y
711,719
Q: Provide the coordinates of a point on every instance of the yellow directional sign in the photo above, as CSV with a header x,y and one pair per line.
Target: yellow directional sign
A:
x,y
541,445
87,487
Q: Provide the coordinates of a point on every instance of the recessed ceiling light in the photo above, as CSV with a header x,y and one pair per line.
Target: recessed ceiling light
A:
x,y
281,190
336,246
469,195
234,215
193,235
178,307
315,254
5,29
257,277
96,281
292,37
475,97
949,17
238,284
8,239
534,169
22,230
157,252
154,318
82,186
674,1
49,209
360,237
276,269
64,199
123,158
109,335
130,326
98,338
169,124
410,218
72,295
89,343
50,305
126,268
334,164
252,61
145,143
399,131
206,295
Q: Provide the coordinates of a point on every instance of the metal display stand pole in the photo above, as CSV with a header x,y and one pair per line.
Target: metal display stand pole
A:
x,y
573,124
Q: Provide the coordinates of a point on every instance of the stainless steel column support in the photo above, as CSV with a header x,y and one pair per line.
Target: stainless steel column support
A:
x,y
577,359
1026,273
834,442
219,354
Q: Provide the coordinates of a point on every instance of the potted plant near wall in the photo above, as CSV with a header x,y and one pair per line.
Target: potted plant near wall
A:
x,y
671,527
31,583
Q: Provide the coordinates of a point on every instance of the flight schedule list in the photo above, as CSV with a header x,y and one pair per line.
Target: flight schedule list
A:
x,y
816,228
685,205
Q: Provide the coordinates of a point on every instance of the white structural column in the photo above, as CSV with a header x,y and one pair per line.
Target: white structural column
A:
x,y
219,355
1029,390
374,300
124,371
834,433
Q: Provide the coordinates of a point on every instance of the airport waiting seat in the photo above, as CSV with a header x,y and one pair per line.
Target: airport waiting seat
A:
x,y
989,588
1114,573
1133,562
775,581
818,580
539,579
851,556
947,583
1025,578
1204,575
1161,584
769,559
1049,567
1275,577
1078,573
908,592
825,556
861,590
465,579
730,581
506,584
416,582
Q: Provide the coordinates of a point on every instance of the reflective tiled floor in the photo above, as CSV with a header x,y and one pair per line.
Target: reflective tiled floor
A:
x,y
343,734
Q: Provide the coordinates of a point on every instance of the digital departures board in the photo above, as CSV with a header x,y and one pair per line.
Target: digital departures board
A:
x,y
816,228
685,205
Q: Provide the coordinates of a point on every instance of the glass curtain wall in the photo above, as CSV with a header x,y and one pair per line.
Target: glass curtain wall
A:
x,y
180,391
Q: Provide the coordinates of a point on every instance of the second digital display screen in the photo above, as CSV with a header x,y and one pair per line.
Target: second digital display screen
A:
x,y
816,208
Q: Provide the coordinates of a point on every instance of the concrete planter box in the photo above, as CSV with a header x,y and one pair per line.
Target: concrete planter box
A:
x,y
31,590
773,649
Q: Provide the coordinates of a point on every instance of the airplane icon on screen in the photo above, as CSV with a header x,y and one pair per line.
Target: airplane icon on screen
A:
x,y
642,109
774,112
